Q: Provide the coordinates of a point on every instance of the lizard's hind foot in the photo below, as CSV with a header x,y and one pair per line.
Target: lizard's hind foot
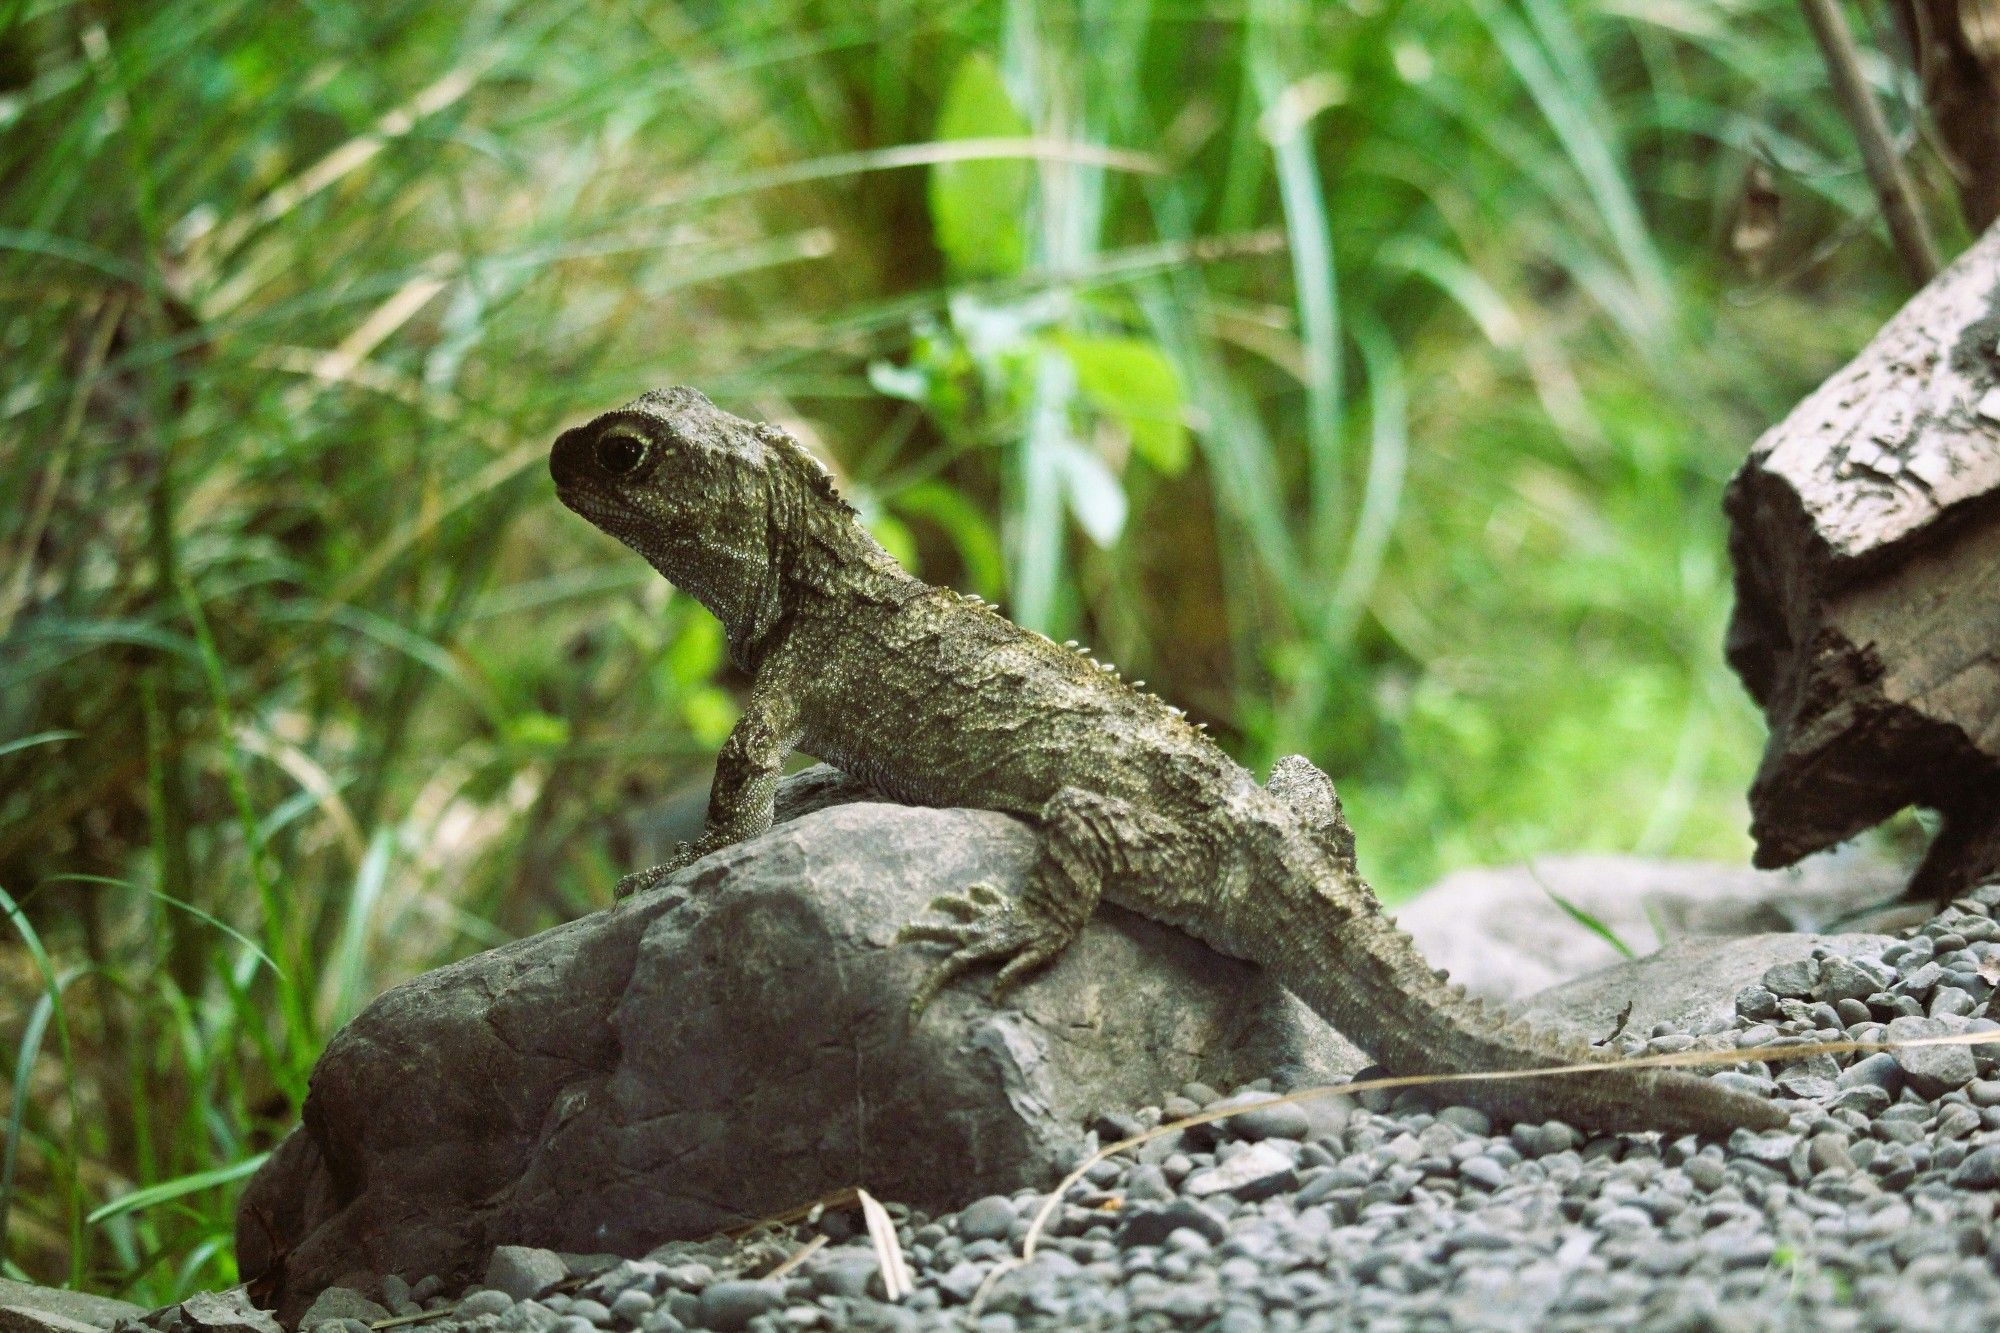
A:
x,y
1084,837
982,926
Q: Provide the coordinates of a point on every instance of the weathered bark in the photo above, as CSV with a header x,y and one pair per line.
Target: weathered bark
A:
x,y
1865,529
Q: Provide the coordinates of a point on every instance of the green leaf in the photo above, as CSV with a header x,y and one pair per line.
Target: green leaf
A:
x,y
1131,381
976,207
174,1189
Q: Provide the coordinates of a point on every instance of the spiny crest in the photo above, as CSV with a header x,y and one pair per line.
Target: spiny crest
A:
x,y
803,466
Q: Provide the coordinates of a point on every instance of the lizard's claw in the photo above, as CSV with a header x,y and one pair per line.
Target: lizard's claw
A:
x,y
641,880
985,926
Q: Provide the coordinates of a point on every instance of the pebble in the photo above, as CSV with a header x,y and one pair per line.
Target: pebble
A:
x,y
337,1303
1152,1226
591,1312
485,1301
1851,979
990,1218
1979,1170
522,1271
1258,1172
731,1305
1286,1121
1794,980
1932,1070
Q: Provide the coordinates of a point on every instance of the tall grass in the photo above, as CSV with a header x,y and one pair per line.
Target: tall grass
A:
x,y
1362,376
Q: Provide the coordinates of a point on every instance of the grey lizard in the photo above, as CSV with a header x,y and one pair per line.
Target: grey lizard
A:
x,y
933,698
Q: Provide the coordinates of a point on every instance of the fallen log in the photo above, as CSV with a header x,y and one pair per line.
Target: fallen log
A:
x,y
1865,533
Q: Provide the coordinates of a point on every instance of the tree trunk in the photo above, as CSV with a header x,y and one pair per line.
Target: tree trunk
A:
x,y
1955,46
1865,529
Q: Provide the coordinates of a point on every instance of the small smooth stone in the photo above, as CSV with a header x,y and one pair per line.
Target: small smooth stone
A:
x,y
730,1305
1152,1226
1879,1070
846,1275
1852,1011
341,1303
574,1323
1706,1172
1484,1172
961,1280
1950,1000
990,1218
1979,1171
485,1301
1756,1002
592,1311
1932,1070
1851,978
1554,1136
632,1305
1828,1152
1262,1170
1469,1119
523,1271
1285,1121
1148,1183
1984,1092
1793,980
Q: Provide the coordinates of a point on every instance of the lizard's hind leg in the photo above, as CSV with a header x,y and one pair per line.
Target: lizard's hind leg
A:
x,y
1086,839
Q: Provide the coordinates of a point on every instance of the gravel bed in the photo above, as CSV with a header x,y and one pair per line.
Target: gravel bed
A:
x,y
1875,1209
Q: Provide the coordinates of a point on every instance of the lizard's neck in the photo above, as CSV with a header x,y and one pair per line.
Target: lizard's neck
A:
x,y
818,559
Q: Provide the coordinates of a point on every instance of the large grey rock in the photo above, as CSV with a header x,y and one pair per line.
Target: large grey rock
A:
x,y
25,1298
1690,984
28,1319
734,1044
1500,933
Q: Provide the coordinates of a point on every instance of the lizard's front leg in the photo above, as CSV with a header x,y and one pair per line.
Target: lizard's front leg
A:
x,y
746,779
1086,839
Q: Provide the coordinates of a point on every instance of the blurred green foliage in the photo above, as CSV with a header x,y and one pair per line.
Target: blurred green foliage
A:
x,y
1363,375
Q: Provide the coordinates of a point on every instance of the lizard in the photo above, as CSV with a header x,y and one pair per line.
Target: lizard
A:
x,y
931,697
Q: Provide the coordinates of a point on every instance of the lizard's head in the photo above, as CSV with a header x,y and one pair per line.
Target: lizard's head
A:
x,y
712,501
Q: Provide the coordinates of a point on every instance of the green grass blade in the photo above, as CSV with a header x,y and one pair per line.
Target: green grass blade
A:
x,y
39,738
167,1190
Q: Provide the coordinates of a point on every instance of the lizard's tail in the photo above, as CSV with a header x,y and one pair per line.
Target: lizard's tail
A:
x,y
1371,983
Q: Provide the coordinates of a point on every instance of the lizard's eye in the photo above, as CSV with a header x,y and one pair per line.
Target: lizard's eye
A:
x,y
618,453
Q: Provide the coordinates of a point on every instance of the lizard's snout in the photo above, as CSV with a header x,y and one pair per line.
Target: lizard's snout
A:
x,y
569,457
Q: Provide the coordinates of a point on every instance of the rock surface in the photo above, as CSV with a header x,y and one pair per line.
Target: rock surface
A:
x,y
20,1300
1500,933
735,1044
1693,986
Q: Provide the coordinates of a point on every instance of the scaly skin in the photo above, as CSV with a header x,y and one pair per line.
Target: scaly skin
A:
x,y
934,699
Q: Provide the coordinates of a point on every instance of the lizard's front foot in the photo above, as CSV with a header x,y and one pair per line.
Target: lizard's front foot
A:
x,y
982,925
685,855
